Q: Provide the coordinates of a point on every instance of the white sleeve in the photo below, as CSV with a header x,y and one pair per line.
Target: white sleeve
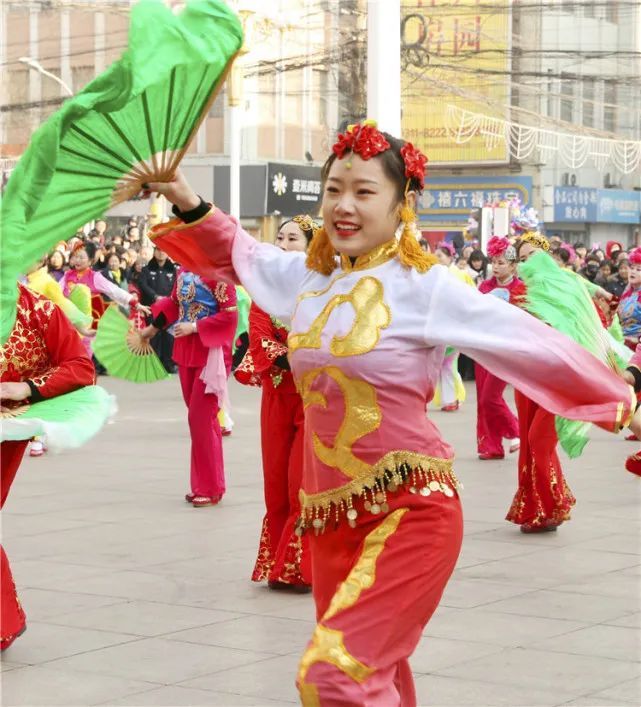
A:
x,y
544,364
106,287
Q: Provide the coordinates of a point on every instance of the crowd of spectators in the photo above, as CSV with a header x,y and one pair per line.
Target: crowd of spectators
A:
x,y
128,259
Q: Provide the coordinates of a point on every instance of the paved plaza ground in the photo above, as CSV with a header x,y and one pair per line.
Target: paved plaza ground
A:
x,y
135,598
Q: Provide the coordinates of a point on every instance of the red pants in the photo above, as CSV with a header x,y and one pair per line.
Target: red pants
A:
x,y
542,495
283,556
376,587
12,617
207,468
494,421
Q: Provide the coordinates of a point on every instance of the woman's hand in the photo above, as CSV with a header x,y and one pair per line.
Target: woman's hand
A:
x,y
144,309
148,332
14,391
177,191
185,329
635,425
603,294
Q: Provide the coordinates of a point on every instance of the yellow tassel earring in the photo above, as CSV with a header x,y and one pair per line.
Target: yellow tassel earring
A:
x,y
321,256
410,252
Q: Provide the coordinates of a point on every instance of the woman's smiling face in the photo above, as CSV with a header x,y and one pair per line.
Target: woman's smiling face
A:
x,y
360,205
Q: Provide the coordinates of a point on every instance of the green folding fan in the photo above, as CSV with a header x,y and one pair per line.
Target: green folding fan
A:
x,y
561,299
123,352
130,125
68,421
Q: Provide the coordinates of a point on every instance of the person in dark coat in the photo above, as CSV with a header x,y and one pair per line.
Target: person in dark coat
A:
x,y
157,280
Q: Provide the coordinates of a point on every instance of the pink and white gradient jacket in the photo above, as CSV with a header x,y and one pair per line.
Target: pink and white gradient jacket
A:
x,y
366,345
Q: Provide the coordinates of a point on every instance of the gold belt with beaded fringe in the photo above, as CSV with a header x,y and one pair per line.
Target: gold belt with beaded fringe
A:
x,y
418,473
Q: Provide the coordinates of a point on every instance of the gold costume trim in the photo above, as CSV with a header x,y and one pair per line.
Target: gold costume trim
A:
x,y
362,416
378,256
620,422
363,574
162,229
419,473
371,314
327,646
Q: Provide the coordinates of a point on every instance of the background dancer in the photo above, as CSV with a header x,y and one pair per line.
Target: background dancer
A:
x,y
495,421
204,316
283,555
42,358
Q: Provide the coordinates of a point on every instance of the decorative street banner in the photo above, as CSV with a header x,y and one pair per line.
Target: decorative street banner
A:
x,y
293,189
453,198
454,52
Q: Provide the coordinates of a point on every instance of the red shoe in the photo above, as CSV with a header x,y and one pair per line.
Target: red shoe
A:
x,y
203,501
225,431
486,457
631,437
189,497
452,407
633,463
515,445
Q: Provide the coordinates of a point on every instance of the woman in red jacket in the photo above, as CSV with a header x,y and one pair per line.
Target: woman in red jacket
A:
x,y
283,556
42,358
204,316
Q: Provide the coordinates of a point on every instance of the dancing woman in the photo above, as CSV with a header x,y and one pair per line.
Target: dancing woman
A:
x,y
203,314
495,421
42,358
370,316
283,555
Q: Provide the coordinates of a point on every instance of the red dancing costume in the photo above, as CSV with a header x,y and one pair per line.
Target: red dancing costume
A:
x,y
495,421
379,495
45,351
204,362
283,556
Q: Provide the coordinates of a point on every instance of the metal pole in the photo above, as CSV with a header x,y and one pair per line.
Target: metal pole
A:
x,y
384,64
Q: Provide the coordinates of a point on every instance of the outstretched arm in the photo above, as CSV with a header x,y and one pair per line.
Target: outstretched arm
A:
x,y
209,242
544,364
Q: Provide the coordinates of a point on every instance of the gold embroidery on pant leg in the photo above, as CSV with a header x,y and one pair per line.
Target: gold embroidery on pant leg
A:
x,y
371,314
309,696
362,416
327,646
363,574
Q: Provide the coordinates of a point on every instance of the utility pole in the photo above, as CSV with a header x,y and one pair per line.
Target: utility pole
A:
x,y
384,64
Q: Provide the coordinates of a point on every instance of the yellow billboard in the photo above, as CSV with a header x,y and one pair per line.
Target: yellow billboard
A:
x,y
454,53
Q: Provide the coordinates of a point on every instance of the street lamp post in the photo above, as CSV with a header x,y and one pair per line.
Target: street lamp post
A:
x,y
37,66
384,64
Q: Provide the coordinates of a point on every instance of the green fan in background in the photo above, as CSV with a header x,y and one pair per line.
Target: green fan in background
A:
x,y
130,125
123,352
561,299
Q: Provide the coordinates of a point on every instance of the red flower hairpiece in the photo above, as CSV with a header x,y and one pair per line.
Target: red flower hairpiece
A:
x,y
635,256
365,139
496,246
415,163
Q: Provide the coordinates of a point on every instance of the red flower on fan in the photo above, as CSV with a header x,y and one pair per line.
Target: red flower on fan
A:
x,y
415,162
364,139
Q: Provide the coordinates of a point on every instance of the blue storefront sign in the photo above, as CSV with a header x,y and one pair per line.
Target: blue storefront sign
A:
x,y
618,206
452,198
587,205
